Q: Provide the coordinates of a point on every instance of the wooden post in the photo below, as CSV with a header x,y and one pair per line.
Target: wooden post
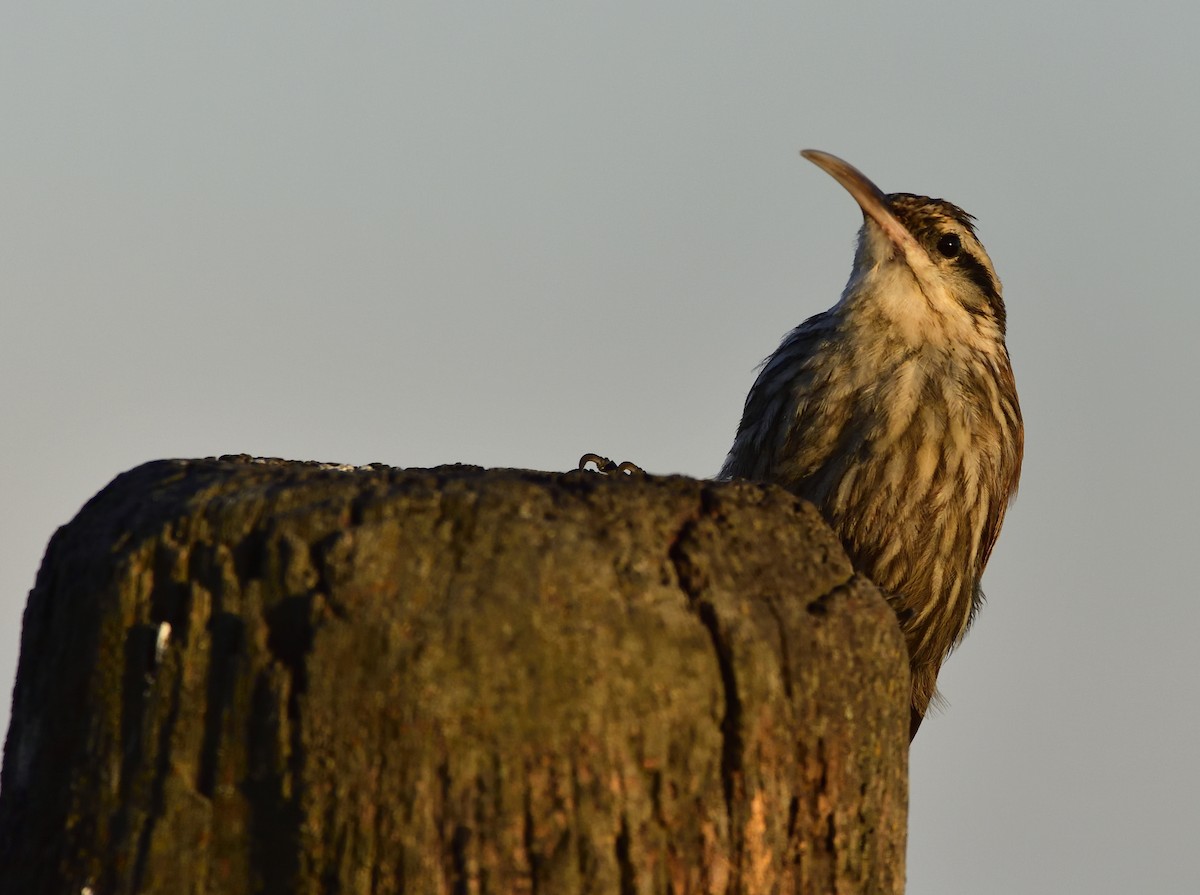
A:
x,y
244,676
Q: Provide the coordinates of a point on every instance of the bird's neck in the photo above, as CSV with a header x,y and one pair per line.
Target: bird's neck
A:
x,y
901,313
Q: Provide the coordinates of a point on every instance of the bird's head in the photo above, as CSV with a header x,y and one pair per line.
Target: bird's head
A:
x,y
919,259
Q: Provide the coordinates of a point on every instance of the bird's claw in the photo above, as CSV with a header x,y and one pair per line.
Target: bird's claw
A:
x,y
606,466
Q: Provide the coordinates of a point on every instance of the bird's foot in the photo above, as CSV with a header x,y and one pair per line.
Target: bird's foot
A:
x,y
606,466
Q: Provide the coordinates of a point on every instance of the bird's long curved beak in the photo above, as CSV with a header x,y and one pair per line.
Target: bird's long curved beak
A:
x,y
873,202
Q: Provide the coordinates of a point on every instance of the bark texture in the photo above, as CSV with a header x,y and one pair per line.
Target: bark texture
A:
x,y
247,676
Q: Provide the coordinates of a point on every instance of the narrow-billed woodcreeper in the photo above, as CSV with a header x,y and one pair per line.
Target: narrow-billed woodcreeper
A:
x,y
895,412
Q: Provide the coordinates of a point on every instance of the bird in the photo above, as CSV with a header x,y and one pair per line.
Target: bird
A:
x,y
895,413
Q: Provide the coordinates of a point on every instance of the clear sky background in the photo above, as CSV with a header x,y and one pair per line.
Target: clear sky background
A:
x,y
510,233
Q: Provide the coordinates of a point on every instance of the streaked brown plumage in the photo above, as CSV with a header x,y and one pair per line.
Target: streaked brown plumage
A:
x,y
896,413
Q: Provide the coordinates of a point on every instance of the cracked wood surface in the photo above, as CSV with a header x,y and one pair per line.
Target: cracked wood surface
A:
x,y
263,676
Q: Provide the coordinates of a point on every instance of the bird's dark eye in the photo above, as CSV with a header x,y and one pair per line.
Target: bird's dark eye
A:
x,y
949,245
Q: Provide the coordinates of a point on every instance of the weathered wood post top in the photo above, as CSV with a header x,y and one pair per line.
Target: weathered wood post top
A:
x,y
243,675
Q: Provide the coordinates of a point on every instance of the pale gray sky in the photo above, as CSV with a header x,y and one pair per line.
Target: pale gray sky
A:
x,y
510,233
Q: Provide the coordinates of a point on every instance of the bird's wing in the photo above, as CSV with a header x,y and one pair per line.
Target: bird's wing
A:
x,y
782,399
995,516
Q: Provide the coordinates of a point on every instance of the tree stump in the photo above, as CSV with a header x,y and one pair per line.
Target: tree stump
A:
x,y
245,675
